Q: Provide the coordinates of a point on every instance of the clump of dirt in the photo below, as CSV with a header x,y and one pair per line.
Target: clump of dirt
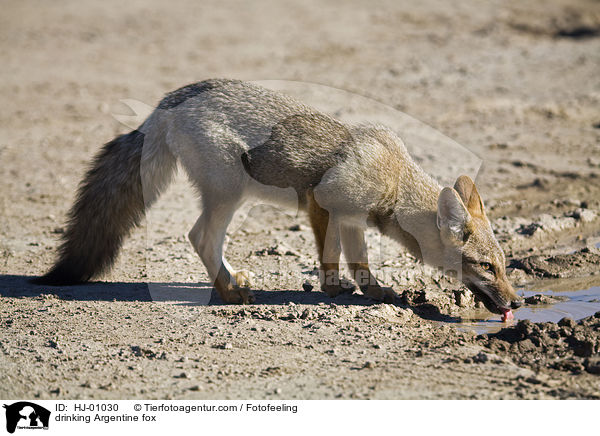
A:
x,y
539,299
564,346
581,263
440,304
569,23
559,231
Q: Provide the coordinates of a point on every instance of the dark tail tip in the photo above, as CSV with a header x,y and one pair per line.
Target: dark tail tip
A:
x,y
58,276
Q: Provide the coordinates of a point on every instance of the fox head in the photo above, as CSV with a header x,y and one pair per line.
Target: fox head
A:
x,y
471,249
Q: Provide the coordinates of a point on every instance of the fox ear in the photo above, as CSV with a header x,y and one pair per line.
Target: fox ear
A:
x,y
468,194
452,215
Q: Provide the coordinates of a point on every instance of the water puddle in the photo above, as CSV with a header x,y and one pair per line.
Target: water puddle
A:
x,y
581,299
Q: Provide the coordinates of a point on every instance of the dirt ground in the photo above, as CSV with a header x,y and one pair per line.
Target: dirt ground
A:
x,y
516,83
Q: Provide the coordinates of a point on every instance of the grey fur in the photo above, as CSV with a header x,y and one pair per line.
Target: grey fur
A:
x,y
181,95
299,152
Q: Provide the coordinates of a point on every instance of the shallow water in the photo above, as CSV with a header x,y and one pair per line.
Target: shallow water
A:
x,y
583,300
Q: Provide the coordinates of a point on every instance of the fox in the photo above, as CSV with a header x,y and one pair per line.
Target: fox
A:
x,y
237,140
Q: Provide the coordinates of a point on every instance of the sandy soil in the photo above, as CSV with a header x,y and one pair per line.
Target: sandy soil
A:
x,y
516,84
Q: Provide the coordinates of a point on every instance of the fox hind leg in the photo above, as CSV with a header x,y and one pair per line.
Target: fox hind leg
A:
x,y
327,236
207,237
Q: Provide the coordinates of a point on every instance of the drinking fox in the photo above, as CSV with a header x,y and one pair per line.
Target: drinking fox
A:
x,y
237,140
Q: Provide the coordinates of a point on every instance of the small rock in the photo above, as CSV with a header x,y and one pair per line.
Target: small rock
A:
x,y
534,380
525,327
181,375
583,215
369,365
228,346
305,314
195,388
271,251
481,357
53,344
289,316
583,348
544,299
463,298
307,286
295,228
527,346
567,322
592,365
528,229
569,364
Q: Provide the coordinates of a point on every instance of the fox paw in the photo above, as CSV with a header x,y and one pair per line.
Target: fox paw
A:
x,y
239,295
379,293
333,290
243,278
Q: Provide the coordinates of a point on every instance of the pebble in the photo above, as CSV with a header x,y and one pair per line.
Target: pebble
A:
x,y
567,322
52,344
481,357
592,365
305,313
307,286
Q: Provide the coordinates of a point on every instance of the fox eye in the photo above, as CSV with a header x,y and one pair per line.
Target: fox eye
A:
x,y
487,266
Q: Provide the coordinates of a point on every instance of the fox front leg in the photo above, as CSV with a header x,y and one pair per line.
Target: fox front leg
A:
x,y
355,251
327,235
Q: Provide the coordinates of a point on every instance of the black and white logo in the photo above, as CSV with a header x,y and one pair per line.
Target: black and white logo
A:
x,y
26,415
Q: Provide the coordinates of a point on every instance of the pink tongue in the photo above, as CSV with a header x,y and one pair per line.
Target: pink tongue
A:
x,y
507,314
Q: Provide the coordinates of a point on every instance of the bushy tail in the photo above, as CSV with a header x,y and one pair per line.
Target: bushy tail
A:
x,y
125,178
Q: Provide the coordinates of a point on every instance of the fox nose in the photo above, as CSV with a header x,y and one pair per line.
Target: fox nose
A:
x,y
516,304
